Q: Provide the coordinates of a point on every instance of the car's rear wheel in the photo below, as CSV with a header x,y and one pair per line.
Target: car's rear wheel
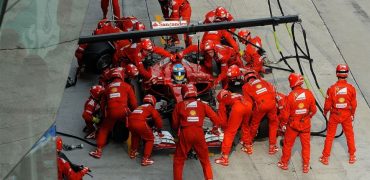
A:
x,y
120,132
263,130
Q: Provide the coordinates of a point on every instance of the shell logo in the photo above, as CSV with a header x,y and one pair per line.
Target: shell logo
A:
x,y
193,112
341,100
258,86
113,90
300,105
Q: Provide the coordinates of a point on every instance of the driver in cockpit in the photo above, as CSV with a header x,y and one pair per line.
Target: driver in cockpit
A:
x,y
178,74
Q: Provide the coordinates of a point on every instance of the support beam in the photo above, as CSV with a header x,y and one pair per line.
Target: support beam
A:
x,y
191,29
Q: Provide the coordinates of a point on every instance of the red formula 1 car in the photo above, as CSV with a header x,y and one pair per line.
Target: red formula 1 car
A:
x,y
170,78
167,141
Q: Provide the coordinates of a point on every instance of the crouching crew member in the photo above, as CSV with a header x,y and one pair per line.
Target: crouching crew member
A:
x,y
137,124
91,113
241,109
264,96
118,99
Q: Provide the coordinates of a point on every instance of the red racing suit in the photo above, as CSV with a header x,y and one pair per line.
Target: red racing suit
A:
x,y
341,102
79,53
181,8
211,16
108,29
216,36
133,54
240,112
126,24
91,109
264,98
299,109
251,56
137,124
116,9
66,172
187,118
117,101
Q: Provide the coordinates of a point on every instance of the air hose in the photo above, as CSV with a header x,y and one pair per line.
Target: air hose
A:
x,y
306,56
277,40
75,137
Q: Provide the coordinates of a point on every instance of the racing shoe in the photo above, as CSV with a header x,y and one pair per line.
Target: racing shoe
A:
x,y
97,153
248,149
273,149
305,168
283,166
133,154
324,160
146,162
352,159
222,160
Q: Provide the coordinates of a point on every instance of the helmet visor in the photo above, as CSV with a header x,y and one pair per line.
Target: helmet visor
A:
x,y
179,76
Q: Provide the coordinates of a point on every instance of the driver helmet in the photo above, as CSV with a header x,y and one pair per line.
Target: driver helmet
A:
x,y
178,73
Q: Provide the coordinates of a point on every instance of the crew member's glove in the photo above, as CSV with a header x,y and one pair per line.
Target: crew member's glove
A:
x,y
180,55
261,52
95,120
85,170
173,58
216,82
152,80
282,127
241,53
215,131
160,133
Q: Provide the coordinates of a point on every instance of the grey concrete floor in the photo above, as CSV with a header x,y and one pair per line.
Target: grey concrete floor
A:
x,y
34,37
336,32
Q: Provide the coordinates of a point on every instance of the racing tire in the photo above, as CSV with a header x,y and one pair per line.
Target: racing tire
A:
x,y
139,92
216,69
120,132
263,130
95,53
281,142
103,62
